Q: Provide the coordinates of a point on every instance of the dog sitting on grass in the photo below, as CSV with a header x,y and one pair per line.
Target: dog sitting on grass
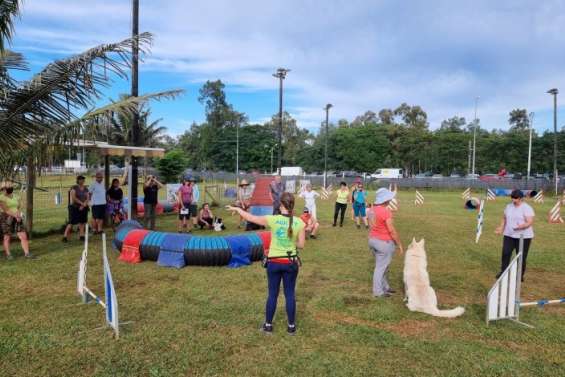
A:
x,y
420,296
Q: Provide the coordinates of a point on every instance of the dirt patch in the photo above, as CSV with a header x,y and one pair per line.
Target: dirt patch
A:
x,y
404,328
356,300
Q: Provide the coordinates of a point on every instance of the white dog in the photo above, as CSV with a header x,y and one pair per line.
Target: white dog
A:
x,y
420,295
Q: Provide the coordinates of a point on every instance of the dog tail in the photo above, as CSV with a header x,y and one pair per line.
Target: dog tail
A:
x,y
451,313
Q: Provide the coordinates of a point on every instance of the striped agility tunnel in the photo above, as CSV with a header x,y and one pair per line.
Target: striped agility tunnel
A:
x,y
178,250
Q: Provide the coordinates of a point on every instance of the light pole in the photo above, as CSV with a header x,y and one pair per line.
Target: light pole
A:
x,y
134,93
237,154
327,108
281,75
272,148
475,135
554,92
530,146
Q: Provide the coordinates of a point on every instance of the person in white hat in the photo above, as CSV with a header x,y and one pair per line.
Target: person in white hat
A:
x,y
383,241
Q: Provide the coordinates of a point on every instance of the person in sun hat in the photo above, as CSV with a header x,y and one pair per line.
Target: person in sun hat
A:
x,y
383,241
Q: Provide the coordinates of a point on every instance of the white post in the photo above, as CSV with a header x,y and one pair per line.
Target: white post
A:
x,y
475,133
130,191
237,155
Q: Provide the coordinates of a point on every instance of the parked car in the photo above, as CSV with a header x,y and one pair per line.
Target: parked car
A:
x,y
472,176
455,175
490,177
437,176
426,174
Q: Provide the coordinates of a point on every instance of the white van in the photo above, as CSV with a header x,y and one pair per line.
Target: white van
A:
x,y
290,171
387,173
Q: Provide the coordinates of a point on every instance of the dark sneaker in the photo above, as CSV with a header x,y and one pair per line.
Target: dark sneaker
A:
x,y
267,328
81,238
30,256
333,225
9,257
384,295
291,329
391,291
312,236
358,226
65,240
366,226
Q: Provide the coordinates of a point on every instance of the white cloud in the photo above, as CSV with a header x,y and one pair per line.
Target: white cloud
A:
x,y
358,55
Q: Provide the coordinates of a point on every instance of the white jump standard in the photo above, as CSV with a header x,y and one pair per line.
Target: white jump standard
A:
x,y
111,303
503,299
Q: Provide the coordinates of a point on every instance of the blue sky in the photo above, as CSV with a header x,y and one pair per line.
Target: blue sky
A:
x,y
357,55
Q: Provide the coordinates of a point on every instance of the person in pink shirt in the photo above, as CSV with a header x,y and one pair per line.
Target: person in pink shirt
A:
x,y
383,241
184,198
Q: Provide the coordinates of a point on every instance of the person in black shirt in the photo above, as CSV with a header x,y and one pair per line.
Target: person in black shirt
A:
x,y
114,198
150,200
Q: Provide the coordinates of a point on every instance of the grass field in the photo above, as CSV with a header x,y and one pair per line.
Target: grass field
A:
x,y
204,321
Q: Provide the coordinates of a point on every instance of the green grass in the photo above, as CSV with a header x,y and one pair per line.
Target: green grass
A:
x,y
203,321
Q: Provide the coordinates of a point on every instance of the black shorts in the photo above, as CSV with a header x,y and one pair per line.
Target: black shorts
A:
x,y
99,211
190,212
77,216
193,210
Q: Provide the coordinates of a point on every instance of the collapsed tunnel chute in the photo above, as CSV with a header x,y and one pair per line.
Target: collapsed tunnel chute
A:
x,y
178,250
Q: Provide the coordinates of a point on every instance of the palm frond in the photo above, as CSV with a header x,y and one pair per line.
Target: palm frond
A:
x,y
52,96
9,10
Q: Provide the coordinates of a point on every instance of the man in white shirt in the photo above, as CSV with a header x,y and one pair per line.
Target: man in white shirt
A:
x,y
517,222
97,194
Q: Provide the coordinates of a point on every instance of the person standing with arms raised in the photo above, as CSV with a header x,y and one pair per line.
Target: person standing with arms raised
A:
x,y
287,237
150,200
276,190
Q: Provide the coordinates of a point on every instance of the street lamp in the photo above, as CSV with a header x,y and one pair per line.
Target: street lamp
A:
x,y
327,108
272,148
281,75
554,92
475,134
530,145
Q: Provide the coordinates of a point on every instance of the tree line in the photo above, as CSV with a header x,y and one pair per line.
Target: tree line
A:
x,y
398,137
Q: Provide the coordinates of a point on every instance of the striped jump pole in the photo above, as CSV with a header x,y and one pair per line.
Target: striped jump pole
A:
x,y
503,299
554,216
466,195
326,192
480,221
419,200
490,195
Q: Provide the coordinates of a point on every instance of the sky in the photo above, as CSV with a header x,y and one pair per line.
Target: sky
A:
x,y
357,55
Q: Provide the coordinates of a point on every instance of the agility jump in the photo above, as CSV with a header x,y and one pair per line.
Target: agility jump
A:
x,y
111,301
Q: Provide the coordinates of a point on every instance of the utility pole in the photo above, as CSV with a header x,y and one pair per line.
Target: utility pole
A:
x,y
327,108
134,93
530,146
281,75
554,92
237,154
475,121
469,159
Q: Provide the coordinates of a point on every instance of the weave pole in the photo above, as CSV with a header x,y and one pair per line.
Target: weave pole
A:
x,y
538,198
419,201
490,195
554,216
466,195
393,204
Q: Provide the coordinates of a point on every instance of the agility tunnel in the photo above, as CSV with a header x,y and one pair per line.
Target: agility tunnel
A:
x,y
178,250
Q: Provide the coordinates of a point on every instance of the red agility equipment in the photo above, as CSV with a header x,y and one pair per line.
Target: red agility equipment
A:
x,y
130,249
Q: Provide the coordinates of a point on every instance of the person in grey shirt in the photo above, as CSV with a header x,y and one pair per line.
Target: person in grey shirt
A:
x,y
276,189
517,222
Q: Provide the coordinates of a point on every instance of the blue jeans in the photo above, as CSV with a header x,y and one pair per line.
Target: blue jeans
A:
x,y
288,274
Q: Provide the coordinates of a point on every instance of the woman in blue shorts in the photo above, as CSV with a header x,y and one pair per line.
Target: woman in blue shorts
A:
x,y
359,204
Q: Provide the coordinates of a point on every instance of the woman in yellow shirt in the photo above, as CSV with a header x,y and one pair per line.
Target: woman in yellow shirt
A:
x,y
287,236
341,203
11,221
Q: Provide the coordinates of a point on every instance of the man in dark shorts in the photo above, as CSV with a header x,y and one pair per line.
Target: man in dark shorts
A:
x,y
97,195
276,190
78,209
